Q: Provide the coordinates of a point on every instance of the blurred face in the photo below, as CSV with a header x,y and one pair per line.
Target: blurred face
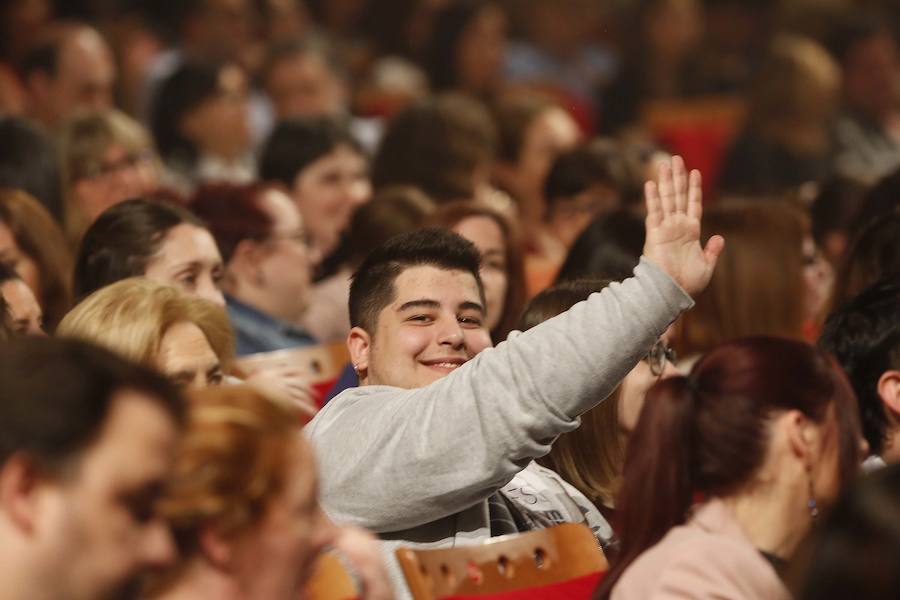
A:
x,y
818,278
121,174
97,522
327,192
633,391
285,262
222,28
550,133
220,125
24,310
872,77
186,357
275,559
673,28
189,259
434,325
480,52
13,256
84,77
304,86
487,236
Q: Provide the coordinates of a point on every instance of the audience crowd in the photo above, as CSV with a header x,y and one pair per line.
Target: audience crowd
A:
x,y
283,280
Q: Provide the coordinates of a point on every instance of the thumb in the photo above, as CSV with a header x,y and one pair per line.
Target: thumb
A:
x,y
713,250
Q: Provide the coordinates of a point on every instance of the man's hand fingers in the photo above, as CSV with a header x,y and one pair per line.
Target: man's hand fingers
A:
x,y
713,250
666,189
679,184
654,207
695,195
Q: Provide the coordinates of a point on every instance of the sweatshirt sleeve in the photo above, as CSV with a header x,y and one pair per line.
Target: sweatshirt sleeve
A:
x,y
392,459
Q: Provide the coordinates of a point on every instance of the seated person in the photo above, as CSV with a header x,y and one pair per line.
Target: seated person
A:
x,y
88,440
440,422
167,244
187,339
250,526
23,308
262,239
863,337
764,432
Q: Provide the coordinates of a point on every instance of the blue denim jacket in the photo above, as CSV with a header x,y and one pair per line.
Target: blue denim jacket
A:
x,y
257,331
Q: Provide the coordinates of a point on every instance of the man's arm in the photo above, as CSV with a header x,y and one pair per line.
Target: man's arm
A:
x,y
392,459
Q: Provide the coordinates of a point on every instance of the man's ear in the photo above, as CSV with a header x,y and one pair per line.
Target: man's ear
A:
x,y
20,480
359,342
889,391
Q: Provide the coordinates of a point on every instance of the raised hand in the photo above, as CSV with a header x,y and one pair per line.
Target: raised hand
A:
x,y
674,208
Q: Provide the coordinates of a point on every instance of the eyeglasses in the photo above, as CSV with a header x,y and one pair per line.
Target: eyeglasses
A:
x,y
659,354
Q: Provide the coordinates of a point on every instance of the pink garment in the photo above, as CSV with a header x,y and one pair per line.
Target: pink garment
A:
x,y
709,557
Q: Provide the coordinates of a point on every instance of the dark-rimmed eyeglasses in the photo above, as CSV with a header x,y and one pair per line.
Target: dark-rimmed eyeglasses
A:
x,y
659,354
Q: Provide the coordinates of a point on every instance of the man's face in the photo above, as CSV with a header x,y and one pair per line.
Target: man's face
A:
x,y
97,523
434,324
84,77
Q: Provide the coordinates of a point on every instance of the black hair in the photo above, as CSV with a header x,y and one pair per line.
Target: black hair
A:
x,y
56,394
609,248
187,88
296,143
872,256
372,287
574,171
122,240
29,161
854,552
450,24
880,200
864,337
851,31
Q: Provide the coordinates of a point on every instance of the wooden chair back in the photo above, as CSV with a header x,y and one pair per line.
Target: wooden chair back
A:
x,y
503,564
330,581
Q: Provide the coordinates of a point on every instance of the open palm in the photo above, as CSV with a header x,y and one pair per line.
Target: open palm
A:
x,y
674,209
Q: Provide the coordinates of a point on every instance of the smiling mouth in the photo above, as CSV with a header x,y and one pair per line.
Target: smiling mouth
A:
x,y
446,365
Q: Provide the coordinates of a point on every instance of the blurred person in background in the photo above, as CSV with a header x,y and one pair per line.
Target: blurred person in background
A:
x,y
168,245
327,174
762,285
33,245
22,308
88,441
786,142
250,526
765,431
867,132
29,161
657,61
833,212
187,339
466,48
200,124
107,157
609,247
852,553
392,211
873,255
591,457
444,145
72,70
864,336
502,272
267,278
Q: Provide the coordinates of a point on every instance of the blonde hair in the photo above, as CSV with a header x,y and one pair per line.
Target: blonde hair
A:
x,y
232,461
130,317
82,143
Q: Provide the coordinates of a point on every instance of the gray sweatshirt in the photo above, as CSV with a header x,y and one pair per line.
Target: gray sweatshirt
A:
x,y
417,465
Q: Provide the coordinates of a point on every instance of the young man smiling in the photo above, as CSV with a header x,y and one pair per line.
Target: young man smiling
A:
x,y
441,422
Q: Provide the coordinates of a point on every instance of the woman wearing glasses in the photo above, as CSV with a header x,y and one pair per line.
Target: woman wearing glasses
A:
x,y
591,457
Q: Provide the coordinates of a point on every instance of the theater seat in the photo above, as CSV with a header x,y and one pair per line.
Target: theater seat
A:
x,y
563,561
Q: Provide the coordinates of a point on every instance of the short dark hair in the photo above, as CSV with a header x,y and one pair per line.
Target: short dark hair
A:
x,y
122,240
575,171
56,394
29,161
297,142
864,337
610,247
372,287
873,255
188,87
